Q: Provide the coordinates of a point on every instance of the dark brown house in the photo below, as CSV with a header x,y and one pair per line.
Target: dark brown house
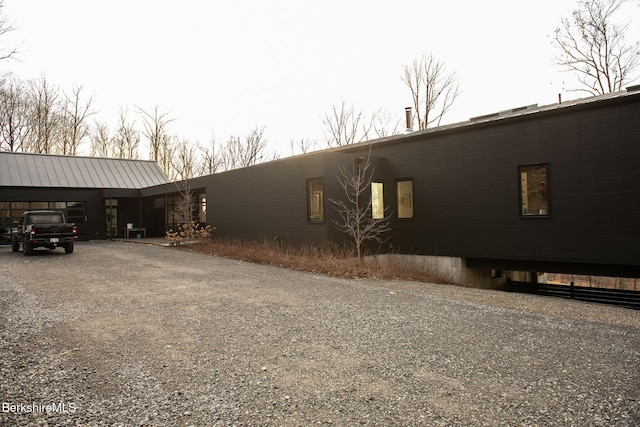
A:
x,y
553,188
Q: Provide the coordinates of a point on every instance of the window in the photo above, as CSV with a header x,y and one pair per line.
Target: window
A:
x,y
5,223
405,198
534,201
315,200
202,202
11,211
185,208
57,205
111,216
377,201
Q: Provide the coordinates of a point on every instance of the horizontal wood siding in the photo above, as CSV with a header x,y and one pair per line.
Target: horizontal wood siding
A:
x,y
466,188
265,201
467,195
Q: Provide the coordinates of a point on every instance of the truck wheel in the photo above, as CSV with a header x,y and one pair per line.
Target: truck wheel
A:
x,y
15,246
68,248
27,248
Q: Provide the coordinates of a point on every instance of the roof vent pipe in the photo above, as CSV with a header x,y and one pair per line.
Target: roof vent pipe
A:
x,y
409,118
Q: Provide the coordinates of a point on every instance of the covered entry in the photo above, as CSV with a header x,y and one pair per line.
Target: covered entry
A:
x,y
74,212
78,186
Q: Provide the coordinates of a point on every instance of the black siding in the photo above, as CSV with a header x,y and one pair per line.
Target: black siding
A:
x,y
466,187
265,201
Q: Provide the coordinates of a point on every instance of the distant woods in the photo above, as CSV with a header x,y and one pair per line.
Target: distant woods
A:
x,y
37,116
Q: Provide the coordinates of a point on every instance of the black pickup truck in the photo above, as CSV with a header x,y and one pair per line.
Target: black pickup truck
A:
x,y
42,229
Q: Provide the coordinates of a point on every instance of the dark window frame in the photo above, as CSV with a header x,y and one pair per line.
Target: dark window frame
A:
x,y
173,202
413,199
310,213
377,214
546,193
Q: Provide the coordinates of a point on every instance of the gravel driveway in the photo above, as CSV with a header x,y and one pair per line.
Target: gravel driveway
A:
x,y
136,335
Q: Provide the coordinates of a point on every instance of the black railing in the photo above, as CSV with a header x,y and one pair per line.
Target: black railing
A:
x,y
619,297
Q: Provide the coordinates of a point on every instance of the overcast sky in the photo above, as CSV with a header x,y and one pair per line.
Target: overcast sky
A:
x,y
224,67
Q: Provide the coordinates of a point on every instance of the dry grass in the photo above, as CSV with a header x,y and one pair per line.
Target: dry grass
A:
x,y
337,260
330,259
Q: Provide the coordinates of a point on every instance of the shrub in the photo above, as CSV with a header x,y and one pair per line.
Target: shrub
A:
x,y
188,232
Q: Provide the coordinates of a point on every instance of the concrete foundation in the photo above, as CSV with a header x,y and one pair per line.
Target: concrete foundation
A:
x,y
454,270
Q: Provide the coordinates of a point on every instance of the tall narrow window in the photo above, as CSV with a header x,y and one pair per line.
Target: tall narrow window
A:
x,y
534,198
5,221
377,201
405,198
202,208
315,200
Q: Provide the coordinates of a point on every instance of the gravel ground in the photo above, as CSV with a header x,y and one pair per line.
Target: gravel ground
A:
x,y
125,334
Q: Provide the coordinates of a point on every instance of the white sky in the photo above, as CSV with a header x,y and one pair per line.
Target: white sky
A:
x,y
224,67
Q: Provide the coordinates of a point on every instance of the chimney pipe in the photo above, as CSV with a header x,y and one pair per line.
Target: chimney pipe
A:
x,y
409,119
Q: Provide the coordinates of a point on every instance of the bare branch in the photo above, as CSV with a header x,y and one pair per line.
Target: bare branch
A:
x,y
303,145
45,117
342,125
593,47
101,140
211,158
5,28
355,213
126,140
185,160
384,124
156,132
75,115
14,114
433,90
240,153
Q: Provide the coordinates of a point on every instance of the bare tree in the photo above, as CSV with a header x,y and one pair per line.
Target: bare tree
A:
x,y
75,115
253,148
101,143
355,213
433,89
5,28
302,145
126,140
168,148
45,117
186,161
595,48
156,131
14,114
211,157
384,124
343,125
240,153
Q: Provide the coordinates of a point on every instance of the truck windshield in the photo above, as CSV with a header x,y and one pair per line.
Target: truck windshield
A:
x,y
45,219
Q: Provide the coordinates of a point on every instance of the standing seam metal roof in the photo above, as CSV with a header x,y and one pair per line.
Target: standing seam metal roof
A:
x,y
44,170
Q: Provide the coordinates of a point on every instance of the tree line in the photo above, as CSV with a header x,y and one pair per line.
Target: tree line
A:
x,y
38,117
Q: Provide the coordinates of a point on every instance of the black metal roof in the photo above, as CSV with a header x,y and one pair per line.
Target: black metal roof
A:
x,y
44,170
631,92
